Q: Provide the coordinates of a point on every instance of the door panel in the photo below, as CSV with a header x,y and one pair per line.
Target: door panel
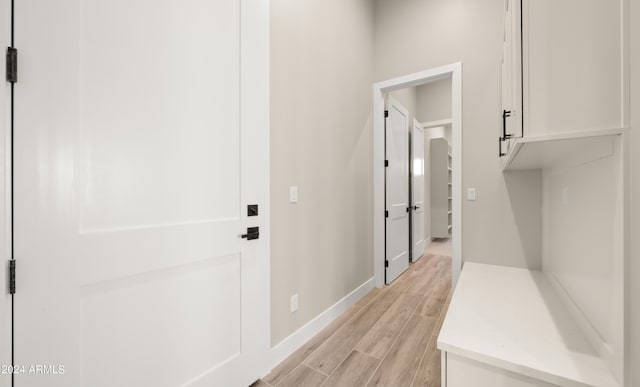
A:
x,y
125,106
132,182
397,189
417,192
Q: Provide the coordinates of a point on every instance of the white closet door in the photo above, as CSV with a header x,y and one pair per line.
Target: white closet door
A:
x,y
417,191
397,189
140,139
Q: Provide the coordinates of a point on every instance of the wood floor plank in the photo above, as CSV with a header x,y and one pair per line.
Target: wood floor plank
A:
x,y
391,292
303,376
354,371
260,383
421,284
289,364
443,314
372,295
383,334
401,363
334,350
429,369
331,357
431,306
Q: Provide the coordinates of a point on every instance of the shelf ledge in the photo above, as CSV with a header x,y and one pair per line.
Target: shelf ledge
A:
x,y
513,319
560,150
436,124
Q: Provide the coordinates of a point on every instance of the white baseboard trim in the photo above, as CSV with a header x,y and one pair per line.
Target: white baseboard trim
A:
x,y
286,347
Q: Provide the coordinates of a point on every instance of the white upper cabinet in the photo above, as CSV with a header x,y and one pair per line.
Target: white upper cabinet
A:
x,y
562,68
511,72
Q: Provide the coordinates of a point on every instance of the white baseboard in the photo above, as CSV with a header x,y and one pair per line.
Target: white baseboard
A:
x,y
286,347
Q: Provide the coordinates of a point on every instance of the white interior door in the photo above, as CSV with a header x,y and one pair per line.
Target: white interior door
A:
x,y
397,189
417,191
140,139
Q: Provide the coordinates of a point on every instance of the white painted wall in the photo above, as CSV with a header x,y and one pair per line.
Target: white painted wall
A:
x,y
582,244
503,226
635,191
321,79
434,100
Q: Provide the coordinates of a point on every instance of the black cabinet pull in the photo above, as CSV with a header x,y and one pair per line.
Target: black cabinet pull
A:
x,y
505,114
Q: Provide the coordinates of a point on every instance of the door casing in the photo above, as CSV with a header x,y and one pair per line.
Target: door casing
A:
x,y
454,71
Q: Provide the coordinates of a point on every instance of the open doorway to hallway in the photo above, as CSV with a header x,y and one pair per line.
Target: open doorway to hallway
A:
x,y
418,136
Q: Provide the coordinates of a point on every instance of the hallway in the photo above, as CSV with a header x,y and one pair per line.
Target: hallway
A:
x,y
388,338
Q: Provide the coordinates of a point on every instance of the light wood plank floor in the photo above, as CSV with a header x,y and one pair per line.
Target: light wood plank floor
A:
x,y
388,338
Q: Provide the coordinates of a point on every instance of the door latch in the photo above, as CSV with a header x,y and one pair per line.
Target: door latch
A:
x,y
252,233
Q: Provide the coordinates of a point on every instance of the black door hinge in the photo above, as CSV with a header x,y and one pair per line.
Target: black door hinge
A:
x,y
386,214
12,65
386,113
12,276
386,163
386,263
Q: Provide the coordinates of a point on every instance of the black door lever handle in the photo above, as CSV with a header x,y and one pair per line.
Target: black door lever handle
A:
x,y
252,233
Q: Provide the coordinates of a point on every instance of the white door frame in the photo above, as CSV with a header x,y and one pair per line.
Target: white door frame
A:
x,y
454,71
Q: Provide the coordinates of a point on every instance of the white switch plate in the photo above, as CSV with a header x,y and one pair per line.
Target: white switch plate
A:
x,y
294,303
471,194
293,194
565,196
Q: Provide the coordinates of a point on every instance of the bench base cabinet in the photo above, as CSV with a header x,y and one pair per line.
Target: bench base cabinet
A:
x,y
511,327
459,371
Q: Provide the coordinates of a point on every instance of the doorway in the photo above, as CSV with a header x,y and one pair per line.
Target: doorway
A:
x,y
380,91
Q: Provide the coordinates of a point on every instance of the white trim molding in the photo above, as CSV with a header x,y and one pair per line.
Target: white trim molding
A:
x,y
453,71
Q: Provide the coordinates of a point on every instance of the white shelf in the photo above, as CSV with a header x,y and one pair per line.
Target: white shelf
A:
x,y
560,150
513,319
436,124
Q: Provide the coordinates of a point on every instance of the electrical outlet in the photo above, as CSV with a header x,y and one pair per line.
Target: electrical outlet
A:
x,y
293,194
294,303
471,194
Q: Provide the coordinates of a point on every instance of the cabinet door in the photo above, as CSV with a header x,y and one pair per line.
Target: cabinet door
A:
x,y
511,66
573,72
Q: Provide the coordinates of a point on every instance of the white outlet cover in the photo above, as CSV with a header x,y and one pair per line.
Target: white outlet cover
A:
x,y
471,194
294,303
293,194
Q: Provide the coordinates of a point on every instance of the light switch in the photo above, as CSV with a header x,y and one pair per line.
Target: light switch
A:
x,y
471,194
565,196
293,194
